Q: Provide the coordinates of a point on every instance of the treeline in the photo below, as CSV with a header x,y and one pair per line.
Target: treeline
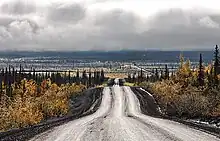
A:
x,y
211,72
155,75
11,76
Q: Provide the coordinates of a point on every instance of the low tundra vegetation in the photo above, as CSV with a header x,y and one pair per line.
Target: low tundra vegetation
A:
x,y
31,103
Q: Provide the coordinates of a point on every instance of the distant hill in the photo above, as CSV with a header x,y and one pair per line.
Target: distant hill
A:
x,y
151,56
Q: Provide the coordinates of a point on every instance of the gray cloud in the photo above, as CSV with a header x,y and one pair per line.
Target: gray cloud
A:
x,y
18,7
71,27
177,29
168,30
66,13
118,20
5,21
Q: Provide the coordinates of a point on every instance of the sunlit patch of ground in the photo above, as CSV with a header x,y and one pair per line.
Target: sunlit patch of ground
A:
x,y
116,75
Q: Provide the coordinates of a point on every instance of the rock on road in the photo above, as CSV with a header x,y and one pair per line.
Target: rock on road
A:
x,y
119,118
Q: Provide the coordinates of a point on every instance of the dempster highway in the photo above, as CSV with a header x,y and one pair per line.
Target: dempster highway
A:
x,y
119,118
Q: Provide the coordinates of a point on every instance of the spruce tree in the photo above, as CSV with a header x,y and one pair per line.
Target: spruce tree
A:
x,y
201,72
64,78
0,89
90,78
161,75
94,77
147,78
84,77
141,75
129,77
98,78
138,78
102,77
166,72
216,65
156,74
69,77
133,78
77,77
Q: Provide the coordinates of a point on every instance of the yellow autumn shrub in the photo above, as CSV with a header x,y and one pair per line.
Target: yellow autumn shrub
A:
x,y
54,103
31,103
20,112
182,96
24,112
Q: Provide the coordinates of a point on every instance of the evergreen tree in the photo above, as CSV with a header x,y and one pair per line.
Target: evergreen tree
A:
x,y
129,77
90,78
9,73
2,75
37,78
133,78
13,75
216,65
95,77
0,89
161,75
53,77
166,72
102,77
141,76
46,75
69,77
6,76
34,75
153,71
201,72
138,78
98,78
20,74
84,77
147,78
77,74
64,78
156,75
77,77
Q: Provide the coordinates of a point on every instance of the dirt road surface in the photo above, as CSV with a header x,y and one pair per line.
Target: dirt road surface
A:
x,y
119,118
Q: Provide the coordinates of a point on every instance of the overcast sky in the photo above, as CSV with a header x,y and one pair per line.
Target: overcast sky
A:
x,y
64,25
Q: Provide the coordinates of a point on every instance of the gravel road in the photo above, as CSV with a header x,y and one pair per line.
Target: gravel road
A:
x,y
119,118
